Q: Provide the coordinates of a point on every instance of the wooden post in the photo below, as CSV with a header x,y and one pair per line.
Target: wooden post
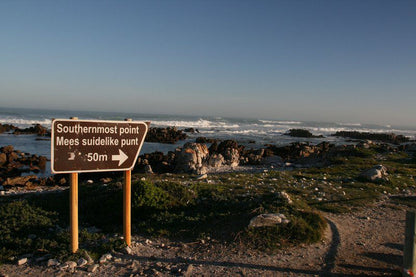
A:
x,y
127,205
409,257
73,208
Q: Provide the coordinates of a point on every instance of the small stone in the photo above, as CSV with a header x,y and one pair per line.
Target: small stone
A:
x,y
43,258
82,262
148,169
202,177
148,241
89,259
128,250
93,268
104,258
188,271
71,264
143,179
22,261
63,267
52,262
106,180
90,182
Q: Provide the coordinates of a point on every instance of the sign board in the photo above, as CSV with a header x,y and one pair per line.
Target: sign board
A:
x,y
91,145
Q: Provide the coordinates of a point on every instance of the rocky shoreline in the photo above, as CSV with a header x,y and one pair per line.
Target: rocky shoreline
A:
x,y
18,169
276,186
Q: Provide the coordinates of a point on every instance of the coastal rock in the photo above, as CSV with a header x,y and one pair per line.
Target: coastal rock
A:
x,y
205,140
390,138
255,156
23,180
165,135
7,149
191,130
232,157
7,128
192,158
3,159
265,220
376,174
216,160
35,129
301,133
229,149
158,161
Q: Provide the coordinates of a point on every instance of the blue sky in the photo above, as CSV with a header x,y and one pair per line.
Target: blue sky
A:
x,y
351,61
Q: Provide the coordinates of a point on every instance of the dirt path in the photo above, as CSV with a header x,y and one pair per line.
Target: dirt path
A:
x,y
364,243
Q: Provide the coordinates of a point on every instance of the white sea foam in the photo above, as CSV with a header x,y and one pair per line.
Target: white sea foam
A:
x,y
280,122
201,123
20,122
350,124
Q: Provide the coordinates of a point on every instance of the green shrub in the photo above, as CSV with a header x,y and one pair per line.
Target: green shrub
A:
x,y
149,196
304,227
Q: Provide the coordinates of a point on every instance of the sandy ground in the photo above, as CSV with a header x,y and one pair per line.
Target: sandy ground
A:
x,y
363,243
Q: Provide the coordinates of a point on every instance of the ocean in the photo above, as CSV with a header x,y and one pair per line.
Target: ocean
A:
x,y
253,133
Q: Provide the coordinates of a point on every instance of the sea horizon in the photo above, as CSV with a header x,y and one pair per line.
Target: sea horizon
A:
x,y
121,115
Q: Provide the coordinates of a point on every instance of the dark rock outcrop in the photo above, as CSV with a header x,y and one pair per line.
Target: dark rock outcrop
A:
x,y
191,130
301,133
14,162
389,138
229,149
35,129
7,128
205,140
165,135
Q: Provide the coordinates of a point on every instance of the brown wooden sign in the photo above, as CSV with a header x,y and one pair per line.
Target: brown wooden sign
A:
x,y
90,145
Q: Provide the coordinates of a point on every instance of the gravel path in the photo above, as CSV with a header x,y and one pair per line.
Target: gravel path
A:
x,y
364,243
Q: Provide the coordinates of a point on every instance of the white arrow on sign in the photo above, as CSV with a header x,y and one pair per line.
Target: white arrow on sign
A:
x,y
121,158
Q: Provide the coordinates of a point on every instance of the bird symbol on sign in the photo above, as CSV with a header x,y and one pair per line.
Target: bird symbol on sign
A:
x,y
71,156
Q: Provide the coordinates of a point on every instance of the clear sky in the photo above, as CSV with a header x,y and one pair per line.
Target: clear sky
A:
x,y
349,60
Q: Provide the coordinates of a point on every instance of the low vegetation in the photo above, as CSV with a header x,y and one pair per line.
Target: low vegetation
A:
x,y
220,207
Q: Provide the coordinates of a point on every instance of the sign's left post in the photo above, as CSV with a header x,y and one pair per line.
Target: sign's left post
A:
x,y
73,208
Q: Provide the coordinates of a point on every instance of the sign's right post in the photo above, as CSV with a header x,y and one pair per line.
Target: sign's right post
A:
x,y
127,205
